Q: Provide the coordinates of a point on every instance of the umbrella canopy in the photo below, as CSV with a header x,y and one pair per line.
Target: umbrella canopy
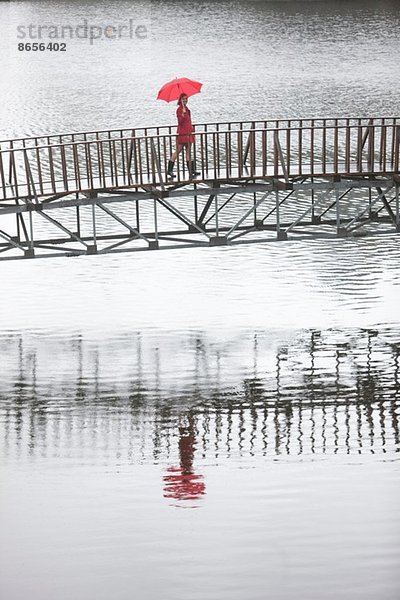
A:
x,y
173,89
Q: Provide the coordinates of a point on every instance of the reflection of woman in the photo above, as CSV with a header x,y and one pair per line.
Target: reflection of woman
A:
x,y
185,137
182,483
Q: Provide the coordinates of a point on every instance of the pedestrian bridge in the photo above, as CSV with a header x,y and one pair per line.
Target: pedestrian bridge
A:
x,y
107,191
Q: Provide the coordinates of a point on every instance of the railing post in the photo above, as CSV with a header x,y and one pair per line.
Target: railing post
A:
x,y
77,170
215,155
347,147
64,168
336,148
252,153
10,166
396,150
371,149
228,154
178,169
264,153
300,132
382,155
204,166
278,157
156,166
240,152
131,155
248,144
2,175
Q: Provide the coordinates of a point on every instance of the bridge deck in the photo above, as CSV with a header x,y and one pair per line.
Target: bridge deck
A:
x,y
148,181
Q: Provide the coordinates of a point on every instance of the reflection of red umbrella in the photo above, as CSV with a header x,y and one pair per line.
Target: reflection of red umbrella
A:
x,y
182,485
173,89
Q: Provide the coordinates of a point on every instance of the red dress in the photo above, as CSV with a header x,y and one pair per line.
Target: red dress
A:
x,y
185,127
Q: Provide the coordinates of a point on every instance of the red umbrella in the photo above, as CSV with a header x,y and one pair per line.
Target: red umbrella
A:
x,y
173,89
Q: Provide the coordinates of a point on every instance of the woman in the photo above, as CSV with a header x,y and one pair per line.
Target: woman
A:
x,y
185,137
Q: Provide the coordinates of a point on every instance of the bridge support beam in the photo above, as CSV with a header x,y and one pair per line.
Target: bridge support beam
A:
x,y
275,214
342,232
219,240
279,232
339,232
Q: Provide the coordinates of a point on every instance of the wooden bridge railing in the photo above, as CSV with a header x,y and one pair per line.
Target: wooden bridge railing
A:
x,y
221,153
121,133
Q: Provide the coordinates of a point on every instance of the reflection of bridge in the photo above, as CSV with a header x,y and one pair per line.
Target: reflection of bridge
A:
x,y
101,192
331,392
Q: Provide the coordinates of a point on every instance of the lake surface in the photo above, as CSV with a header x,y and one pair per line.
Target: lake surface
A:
x,y
215,423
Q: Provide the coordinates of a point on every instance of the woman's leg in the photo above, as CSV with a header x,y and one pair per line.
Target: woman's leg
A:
x,y
175,154
190,163
171,162
189,159
188,152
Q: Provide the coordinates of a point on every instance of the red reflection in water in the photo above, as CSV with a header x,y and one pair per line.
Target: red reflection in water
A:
x,y
182,483
183,486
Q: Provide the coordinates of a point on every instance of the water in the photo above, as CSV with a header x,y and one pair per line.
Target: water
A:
x,y
214,423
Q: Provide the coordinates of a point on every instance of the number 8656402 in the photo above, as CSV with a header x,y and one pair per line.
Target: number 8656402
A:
x,y
42,47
